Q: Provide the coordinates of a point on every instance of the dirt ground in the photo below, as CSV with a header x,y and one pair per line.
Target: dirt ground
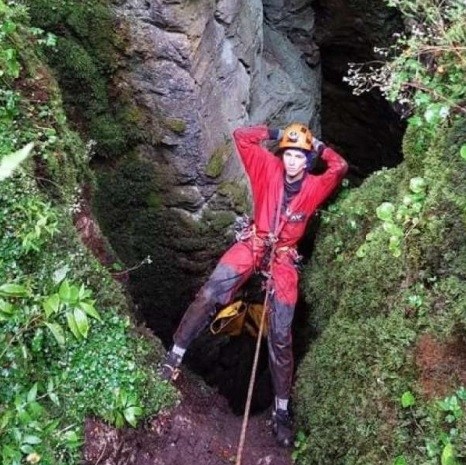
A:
x,y
201,429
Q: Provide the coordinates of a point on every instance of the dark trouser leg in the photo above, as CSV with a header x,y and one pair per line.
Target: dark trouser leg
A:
x,y
280,348
285,285
235,267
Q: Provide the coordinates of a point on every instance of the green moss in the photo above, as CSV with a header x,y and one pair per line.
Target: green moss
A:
x,y
237,193
343,229
217,221
39,248
371,309
154,200
175,124
217,160
349,382
85,57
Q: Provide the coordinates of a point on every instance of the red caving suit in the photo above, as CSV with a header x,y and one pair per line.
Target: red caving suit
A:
x,y
266,175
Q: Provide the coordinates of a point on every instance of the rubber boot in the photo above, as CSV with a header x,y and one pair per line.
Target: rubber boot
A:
x,y
282,427
169,368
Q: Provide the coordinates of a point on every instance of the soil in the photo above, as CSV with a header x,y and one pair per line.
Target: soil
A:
x,y
201,429
442,365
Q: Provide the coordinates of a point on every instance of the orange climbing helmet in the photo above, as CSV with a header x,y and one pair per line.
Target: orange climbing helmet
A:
x,y
296,136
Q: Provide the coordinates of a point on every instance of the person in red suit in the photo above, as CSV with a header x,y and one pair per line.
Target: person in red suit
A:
x,y
285,193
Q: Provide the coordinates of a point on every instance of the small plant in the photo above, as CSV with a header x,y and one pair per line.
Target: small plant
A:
x,y
76,304
301,446
399,222
424,69
125,408
440,442
463,152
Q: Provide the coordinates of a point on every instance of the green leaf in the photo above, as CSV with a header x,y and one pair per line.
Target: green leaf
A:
x,y
432,448
396,252
400,460
51,305
11,453
30,439
461,393
57,332
10,162
122,398
463,152
72,325
26,449
131,414
65,291
361,252
407,399
32,394
24,417
394,245
54,398
432,114
393,229
448,455
385,211
35,409
119,420
5,419
13,290
417,185
82,322
74,295
6,307
90,310
84,293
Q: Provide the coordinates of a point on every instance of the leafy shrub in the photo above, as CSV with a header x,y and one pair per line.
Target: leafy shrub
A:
x,y
67,347
425,67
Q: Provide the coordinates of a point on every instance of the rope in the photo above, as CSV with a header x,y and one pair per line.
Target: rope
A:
x,y
239,454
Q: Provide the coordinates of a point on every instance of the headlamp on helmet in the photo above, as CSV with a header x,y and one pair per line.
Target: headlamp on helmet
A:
x,y
297,136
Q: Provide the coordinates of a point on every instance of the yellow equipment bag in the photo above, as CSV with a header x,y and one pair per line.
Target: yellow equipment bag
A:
x,y
238,317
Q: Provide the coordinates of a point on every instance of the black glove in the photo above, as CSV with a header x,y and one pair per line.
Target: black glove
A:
x,y
275,133
318,146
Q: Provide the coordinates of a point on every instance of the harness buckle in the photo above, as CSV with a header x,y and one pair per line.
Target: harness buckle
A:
x,y
244,228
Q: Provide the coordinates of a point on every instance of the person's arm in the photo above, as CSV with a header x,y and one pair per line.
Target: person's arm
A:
x,y
337,167
248,141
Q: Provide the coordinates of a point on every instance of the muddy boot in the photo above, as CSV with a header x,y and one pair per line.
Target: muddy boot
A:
x,y
169,368
282,427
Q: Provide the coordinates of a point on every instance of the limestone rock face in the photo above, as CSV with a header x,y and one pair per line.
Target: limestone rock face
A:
x,y
193,71
200,68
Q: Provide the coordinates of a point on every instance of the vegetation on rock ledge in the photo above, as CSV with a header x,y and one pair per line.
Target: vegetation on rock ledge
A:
x,y
387,280
68,346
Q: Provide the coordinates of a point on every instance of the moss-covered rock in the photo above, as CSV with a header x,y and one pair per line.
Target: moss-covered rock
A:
x,y
182,249
70,346
85,58
175,124
218,159
372,307
237,194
